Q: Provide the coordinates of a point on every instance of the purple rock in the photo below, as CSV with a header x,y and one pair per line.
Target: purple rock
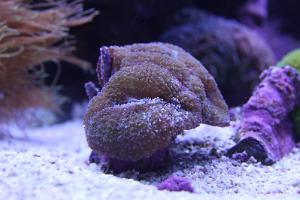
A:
x,y
266,131
176,183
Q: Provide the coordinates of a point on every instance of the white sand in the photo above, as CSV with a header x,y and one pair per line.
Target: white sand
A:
x,y
51,163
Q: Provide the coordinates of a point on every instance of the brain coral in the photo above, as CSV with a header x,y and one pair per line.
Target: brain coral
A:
x,y
233,53
151,93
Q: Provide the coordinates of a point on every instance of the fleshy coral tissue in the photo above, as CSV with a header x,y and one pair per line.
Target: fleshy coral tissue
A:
x,y
150,94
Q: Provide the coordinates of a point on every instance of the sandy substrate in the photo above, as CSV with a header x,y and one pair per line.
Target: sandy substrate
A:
x,y
51,163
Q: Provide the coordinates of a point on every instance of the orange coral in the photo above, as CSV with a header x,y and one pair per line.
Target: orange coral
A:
x,y
31,34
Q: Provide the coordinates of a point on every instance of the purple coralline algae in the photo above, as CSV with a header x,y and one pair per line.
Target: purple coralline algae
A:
x,y
234,54
176,183
266,131
151,93
293,59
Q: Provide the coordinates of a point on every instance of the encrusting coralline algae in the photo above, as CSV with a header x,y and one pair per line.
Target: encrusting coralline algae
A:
x,y
266,131
293,59
270,119
151,93
176,183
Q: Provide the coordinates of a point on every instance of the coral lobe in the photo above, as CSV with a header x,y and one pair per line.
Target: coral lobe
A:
x,y
151,93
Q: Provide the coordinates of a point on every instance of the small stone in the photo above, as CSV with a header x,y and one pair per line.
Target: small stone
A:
x,y
176,183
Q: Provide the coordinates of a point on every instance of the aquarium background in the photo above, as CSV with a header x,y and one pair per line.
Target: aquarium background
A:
x,y
123,22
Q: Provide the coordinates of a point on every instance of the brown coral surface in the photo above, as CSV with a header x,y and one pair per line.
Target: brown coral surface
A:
x,y
151,93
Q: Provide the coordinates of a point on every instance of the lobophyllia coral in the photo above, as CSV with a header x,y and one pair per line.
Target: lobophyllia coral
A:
x,y
234,54
266,130
31,34
151,93
176,183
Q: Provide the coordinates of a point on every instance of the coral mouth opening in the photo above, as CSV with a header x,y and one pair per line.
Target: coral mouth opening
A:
x,y
132,101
